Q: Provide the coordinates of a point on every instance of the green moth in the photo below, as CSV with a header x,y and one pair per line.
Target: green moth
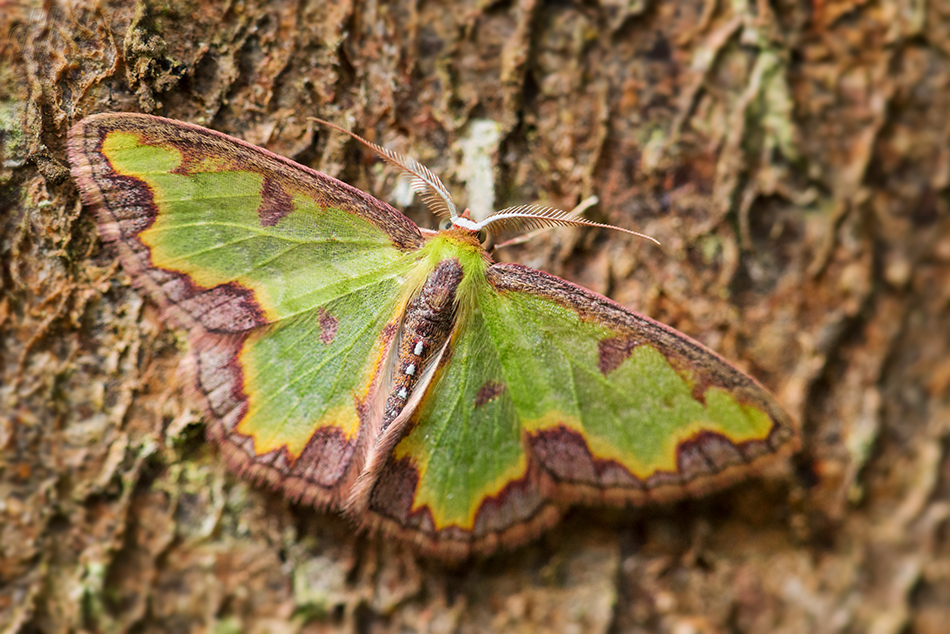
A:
x,y
359,363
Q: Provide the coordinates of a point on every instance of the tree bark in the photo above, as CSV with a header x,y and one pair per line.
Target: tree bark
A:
x,y
792,159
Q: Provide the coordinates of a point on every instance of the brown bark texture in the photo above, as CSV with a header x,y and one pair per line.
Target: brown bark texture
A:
x,y
792,158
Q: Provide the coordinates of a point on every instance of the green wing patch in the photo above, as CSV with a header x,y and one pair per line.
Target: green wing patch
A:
x,y
462,475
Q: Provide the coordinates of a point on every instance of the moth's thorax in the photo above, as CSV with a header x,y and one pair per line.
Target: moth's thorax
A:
x,y
426,326
435,299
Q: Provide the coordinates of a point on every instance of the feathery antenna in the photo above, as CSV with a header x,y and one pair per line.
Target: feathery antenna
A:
x,y
537,216
438,199
577,212
422,181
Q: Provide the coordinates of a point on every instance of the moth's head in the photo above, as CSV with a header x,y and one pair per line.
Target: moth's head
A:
x,y
464,225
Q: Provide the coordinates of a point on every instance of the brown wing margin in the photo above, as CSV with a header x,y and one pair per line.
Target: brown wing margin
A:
x,y
197,143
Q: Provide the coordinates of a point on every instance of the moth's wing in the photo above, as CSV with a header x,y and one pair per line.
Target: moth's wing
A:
x,y
459,479
287,281
552,395
617,407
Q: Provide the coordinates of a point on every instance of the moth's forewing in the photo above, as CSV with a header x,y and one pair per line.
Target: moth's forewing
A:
x,y
286,280
618,407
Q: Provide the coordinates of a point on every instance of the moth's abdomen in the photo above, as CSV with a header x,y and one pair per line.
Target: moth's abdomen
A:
x,y
426,327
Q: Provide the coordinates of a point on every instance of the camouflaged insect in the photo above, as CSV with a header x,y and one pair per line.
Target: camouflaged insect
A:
x,y
358,363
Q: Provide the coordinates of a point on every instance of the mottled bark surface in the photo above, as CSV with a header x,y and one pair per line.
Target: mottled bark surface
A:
x,y
793,160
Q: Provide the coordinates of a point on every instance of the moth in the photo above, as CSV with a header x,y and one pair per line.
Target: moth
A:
x,y
360,364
